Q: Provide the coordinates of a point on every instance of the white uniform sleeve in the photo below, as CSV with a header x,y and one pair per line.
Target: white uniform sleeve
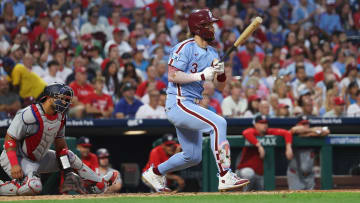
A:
x,y
226,108
18,128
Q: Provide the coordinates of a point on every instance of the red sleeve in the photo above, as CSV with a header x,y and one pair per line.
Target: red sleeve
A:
x,y
73,87
250,135
140,91
281,132
160,85
154,158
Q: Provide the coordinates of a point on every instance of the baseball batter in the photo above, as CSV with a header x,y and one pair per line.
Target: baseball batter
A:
x,y
300,172
26,151
192,62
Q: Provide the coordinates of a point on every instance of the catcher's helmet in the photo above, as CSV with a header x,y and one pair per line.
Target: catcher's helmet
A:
x,y
197,21
61,93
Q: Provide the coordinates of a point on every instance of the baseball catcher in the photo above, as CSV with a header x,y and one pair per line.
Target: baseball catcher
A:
x,y
26,151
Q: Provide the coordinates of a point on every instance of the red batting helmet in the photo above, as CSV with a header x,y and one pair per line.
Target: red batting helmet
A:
x,y
197,21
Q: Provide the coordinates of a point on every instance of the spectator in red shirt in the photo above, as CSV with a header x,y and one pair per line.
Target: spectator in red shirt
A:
x,y
162,7
251,161
163,152
249,52
82,89
43,27
98,104
151,78
88,158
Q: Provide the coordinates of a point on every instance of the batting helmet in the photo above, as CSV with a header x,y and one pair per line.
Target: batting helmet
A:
x,y
61,93
197,22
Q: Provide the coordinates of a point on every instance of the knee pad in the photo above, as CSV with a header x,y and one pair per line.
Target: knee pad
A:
x,y
247,173
31,186
8,188
224,154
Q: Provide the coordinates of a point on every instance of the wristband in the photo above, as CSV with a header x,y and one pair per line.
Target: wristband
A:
x,y
221,78
11,154
62,152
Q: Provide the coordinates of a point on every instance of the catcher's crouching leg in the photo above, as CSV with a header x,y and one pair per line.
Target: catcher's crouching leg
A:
x,y
100,184
31,185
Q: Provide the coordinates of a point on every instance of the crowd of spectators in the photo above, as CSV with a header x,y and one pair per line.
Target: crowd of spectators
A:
x,y
304,59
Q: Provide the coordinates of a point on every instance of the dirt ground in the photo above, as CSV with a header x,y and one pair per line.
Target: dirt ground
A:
x,y
65,197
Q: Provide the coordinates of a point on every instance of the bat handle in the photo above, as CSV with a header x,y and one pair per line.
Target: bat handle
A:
x,y
227,53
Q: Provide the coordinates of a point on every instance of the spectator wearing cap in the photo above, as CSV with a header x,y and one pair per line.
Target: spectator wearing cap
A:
x,y
251,164
252,106
303,13
43,28
163,152
82,89
329,21
354,109
152,110
326,67
118,40
98,104
209,89
27,84
128,104
282,110
105,167
94,53
338,108
152,78
52,69
63,72
9,101
93,25
300,173
299,57
17,53
234,106
87,157
63,42
4,44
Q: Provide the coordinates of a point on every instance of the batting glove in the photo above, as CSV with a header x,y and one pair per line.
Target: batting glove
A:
x,y
219,67
208,73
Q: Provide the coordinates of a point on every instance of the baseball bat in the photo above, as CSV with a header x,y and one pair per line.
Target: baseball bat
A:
x,y
244,36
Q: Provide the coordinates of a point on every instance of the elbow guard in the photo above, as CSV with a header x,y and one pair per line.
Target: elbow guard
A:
x,y
11,154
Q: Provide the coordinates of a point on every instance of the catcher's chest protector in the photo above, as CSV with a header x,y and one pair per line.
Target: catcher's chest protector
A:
x,y
35,146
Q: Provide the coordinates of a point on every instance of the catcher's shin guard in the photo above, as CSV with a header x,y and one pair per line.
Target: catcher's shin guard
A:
x,y
84,171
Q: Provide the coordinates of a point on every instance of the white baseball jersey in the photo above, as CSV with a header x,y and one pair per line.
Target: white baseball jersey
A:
x,y
35,131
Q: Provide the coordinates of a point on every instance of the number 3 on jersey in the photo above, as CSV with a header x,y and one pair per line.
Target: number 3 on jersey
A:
x,y
194,69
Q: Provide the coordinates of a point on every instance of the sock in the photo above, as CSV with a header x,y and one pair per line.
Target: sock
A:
x,y
156,171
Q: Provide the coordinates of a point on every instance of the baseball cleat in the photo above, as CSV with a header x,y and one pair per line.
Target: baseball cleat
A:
x,y
230,181
155,182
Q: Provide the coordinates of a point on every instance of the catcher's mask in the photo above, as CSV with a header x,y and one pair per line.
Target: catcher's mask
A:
x,y
62,95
